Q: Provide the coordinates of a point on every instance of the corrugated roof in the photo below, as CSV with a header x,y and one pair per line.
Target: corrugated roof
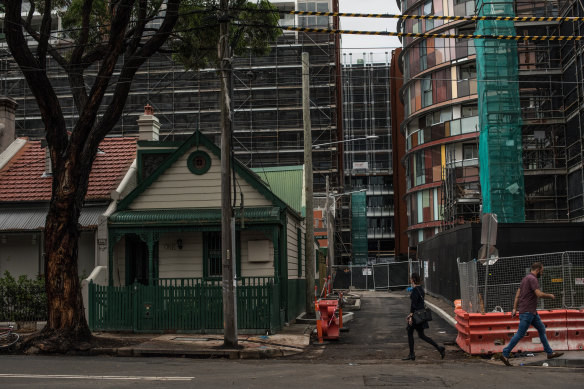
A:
x,y
190,216
33,218
22,179
287,183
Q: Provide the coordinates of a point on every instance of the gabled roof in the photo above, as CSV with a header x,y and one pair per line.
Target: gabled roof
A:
x,y
22,179
287,183
196,139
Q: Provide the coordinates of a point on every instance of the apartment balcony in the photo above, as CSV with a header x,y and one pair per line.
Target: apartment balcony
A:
x,y
380,233
385,210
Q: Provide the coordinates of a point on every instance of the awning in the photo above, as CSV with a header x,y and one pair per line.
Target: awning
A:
x,y
30,218
190,216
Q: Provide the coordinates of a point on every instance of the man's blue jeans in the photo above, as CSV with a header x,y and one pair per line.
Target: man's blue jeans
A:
x,y
525,320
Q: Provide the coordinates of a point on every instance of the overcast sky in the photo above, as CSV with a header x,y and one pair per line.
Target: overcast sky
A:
x,y
358,44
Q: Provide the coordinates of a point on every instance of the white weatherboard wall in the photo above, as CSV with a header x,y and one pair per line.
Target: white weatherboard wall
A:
x,y
180,263
292,230
177,187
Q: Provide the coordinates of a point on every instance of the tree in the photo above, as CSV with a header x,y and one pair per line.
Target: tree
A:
x,y
106,37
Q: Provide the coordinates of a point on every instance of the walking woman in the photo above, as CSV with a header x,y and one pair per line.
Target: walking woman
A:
x,y
417,302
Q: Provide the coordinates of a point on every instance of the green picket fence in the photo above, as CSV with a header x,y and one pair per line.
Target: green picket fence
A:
x,y
182,305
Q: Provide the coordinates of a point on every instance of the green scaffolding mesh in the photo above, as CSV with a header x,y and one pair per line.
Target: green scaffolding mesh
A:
x,y
501,169
359,228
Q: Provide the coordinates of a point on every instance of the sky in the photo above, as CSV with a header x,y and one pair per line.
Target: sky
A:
x,y
359,44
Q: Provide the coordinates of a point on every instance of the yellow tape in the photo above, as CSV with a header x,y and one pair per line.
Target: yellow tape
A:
x,y
438,17
456,36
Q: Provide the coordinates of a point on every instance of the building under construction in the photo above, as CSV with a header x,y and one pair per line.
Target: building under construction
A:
x,y
367,161
514,108
267,98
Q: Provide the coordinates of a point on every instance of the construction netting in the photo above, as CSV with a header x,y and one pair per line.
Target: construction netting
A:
x,y
359,228
500,157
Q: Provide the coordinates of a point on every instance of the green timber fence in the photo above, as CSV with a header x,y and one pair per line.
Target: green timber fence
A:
x,y
183,305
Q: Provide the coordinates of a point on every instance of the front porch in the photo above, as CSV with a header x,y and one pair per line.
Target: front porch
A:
x,y
184,305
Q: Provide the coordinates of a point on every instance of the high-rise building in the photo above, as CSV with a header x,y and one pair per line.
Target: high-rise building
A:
x,y
443,103
368,160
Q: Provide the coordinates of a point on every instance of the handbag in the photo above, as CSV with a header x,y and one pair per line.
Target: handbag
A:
x,y
421,315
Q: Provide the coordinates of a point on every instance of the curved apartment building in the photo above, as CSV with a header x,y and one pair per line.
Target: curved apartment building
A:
x,y
441,124
442,107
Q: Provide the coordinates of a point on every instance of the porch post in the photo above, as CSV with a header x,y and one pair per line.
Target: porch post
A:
x,y
150,243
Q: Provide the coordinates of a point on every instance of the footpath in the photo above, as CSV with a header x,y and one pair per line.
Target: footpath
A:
x,y
569,359
293,339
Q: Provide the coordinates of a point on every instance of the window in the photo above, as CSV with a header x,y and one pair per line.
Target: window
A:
x,y
313,21
212,254
427,10
426,91
423,56
470,151
470,111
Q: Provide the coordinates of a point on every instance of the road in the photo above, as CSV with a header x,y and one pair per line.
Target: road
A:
x,y
369,355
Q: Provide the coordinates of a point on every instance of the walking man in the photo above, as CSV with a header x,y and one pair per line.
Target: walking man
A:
x,y
526,302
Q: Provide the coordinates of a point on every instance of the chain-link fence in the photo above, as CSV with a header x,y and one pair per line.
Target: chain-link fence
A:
x,y
486,287
383,276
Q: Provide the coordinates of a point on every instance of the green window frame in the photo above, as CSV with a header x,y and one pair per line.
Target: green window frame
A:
x,y
212,261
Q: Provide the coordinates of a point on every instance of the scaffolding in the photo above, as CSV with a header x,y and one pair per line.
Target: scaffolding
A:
x,y
500,151
359,228
461,195
368,162
267,101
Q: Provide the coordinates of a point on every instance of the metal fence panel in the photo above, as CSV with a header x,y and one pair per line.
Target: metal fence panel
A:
x,y
492,286
378,276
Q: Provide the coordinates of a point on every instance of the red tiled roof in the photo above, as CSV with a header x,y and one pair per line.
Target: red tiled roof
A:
x,y
22,178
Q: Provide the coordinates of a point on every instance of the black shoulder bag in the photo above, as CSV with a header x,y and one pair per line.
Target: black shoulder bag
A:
x,y
423,315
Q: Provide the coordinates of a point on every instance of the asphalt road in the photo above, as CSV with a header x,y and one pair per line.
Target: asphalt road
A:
x,y
378,332
369,355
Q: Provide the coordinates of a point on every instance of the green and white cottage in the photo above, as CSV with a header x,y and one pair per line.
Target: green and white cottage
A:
x,y
163,247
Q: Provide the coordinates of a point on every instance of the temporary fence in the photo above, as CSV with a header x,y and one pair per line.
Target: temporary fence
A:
x,y
374,277
487,286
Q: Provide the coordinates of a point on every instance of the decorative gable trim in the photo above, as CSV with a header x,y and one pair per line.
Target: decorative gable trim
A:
x,y
199,139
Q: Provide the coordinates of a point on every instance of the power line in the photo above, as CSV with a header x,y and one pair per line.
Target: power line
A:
x,y
419,35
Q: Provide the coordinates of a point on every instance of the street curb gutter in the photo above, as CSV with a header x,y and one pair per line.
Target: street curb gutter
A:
x,y
442,314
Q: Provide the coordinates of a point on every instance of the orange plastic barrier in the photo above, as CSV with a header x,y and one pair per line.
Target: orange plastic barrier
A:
x,y
575,324
490,332
329,320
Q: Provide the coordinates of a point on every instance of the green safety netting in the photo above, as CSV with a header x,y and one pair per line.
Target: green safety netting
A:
x,y
359,228
501,169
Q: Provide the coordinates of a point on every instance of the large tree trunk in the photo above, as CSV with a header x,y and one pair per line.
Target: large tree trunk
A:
x,y
66,323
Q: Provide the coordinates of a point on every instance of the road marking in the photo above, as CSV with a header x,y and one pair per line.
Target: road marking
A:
x,y
96,377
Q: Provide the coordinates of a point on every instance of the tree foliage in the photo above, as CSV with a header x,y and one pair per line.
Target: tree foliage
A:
x,y
101,46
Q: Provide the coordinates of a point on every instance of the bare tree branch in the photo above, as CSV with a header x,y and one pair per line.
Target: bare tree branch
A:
x,y
45,34
37,80
131,66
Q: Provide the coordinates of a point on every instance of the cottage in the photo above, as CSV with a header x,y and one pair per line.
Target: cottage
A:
x,y
25,192
164,245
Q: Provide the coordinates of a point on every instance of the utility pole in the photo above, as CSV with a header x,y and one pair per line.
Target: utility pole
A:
x,y
330,231
309,240
224,52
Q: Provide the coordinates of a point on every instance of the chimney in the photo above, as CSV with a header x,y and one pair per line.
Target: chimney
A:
x,y
7,118
48,166
148,124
